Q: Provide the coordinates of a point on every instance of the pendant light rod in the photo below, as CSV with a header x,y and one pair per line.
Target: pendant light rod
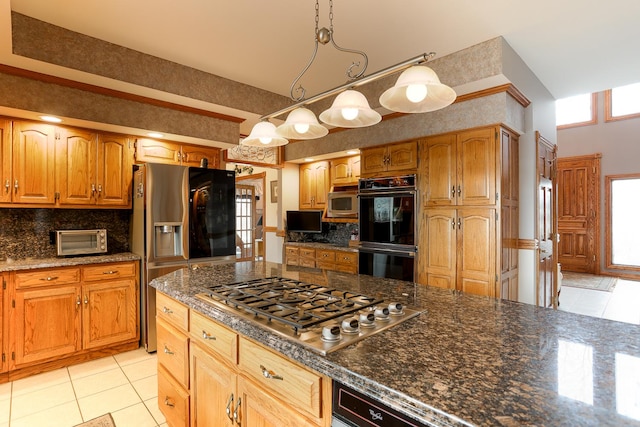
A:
x,y
420,59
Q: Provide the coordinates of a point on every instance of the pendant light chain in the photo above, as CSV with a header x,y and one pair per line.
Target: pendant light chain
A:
x,y
331,17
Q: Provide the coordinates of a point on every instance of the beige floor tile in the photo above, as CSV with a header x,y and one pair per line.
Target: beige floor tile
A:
x,y
40,381
133,356
93,367
5,391
41,399
147,387
101,381
65,415
152,406
5,406
134,416
142,369
108,401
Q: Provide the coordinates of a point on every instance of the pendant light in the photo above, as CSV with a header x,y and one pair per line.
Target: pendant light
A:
x,y
350,109
264,134
417,90
301,123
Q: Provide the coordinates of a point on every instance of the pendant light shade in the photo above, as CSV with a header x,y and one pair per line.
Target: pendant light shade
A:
x,y
417,90
301,123
350,109
264,134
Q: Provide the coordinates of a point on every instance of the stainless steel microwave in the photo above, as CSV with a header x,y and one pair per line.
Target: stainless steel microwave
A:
x,y
342,204
81,242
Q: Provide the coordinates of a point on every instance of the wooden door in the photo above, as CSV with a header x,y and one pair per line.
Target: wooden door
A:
x,y
114,171
373,160
579,213
213,390
546,226
46,323
260,409
33,163
245,222
476,257
438,260
439,172
402,156
477,159
509,220
76,153
109,312
5,161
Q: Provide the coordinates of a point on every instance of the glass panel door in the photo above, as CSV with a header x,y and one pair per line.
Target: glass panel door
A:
x,y
245,229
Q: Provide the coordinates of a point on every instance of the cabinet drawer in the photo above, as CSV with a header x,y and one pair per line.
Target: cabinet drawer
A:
x,y
292,251
215,337
173,352
325,255
48,277
293,384
307,262
174,312
346,268
307,253
347,258
109,271
173,400
325,265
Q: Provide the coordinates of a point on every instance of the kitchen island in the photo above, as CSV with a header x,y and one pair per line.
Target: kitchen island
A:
x,y
466,360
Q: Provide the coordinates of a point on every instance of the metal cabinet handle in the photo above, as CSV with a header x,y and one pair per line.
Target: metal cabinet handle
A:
x,y
113,272
453,190
270,374
459,223
236,412
167,310
459,191
453,223
15,185
168,402
86,299
228,408
7,184
49,278
99,188
78,302
93,188
167,351
206,336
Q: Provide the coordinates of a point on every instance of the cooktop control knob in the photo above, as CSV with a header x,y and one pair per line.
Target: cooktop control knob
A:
x,y
367,320
350,326
382,313
396,309
331,333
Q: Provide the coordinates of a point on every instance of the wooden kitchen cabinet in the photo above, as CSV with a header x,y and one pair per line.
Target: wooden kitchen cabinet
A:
x,y
304,257
33,163
314,185
326,259
155,151
5,161
345,171
3,325
115,171
397,158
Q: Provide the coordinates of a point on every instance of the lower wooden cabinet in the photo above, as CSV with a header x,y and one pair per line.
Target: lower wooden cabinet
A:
x,y
63,312
173,400
326,259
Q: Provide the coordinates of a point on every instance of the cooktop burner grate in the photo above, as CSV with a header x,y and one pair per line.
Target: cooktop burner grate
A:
x,y
298,304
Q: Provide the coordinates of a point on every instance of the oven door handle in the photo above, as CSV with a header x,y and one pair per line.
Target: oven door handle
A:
x,y
387,193
410,253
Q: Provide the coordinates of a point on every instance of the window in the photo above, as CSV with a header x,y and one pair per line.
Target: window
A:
x,y
622,102
623,229
577,110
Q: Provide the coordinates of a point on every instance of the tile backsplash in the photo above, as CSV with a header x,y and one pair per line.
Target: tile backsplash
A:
x,y
24,233
337,234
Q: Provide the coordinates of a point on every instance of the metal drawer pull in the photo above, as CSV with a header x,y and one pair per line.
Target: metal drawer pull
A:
x,y
86,299
270,374
168,402
110,272
237,411
228,409
78,302
206,336
453,190
167,351
6,185
49,278
167,310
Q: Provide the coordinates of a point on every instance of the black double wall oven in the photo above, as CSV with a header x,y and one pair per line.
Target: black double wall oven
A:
x,y
387,223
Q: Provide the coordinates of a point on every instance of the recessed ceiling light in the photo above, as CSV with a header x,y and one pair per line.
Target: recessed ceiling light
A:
x,y
155,135
353,152
51,119
308,159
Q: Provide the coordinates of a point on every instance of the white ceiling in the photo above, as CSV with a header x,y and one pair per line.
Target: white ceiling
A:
x,y
573,46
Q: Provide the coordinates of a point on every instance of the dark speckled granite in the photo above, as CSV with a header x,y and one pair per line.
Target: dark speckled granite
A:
x,y
467,360
31,263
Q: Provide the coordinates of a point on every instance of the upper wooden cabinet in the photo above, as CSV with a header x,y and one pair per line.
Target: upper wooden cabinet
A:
x,y
154,151
314,185
33,165
115,170
5,161
401,157
345,171
461,168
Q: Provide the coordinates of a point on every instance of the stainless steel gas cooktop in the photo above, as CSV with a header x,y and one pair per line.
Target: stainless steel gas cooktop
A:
x,y
321,318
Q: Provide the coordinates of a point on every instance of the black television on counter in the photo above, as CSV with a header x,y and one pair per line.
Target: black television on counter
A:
x,y
304,221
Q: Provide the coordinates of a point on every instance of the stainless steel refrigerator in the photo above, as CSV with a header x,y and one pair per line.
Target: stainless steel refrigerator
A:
x,y
181,216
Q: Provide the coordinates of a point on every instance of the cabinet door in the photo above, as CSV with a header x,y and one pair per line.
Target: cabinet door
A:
x,y
33,163
307,186
345,171
260,409
114,171
192,156
439,257
110,312
321,187
152,151
439,171
213,390
477,251
76,167
477,159
4,278
46,323
373,160
173,400
402,156
5,161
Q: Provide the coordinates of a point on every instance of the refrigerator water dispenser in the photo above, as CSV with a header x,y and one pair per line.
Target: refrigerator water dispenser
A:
x,y
168,238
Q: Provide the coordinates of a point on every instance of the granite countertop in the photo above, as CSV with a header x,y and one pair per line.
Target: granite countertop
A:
x,y
317,245
466,360
31,263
